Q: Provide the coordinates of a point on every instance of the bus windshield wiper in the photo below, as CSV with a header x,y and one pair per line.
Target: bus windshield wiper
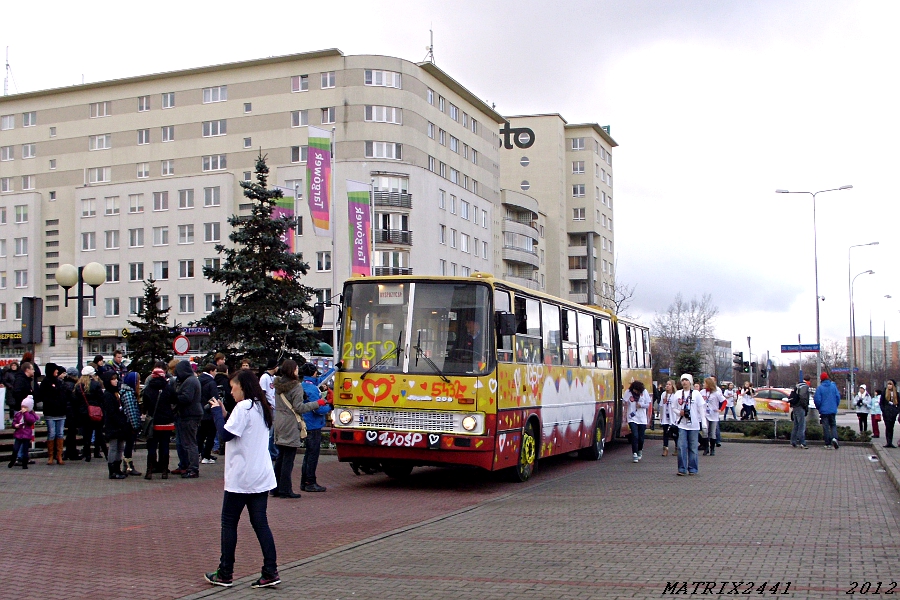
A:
x,y
420,352
394,352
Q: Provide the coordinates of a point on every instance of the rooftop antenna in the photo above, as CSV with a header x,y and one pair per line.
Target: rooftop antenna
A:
x,y
429,49
6,77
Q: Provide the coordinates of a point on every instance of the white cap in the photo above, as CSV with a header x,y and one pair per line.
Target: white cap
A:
x,y
88,370
687,376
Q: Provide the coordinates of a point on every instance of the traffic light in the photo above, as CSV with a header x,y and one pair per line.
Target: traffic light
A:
x,y
753,367
738,361
746,368
763,373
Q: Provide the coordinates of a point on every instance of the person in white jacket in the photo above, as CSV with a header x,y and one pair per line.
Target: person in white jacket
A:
x,y
637,403
666,406
690,416
861,403
714,400
729,398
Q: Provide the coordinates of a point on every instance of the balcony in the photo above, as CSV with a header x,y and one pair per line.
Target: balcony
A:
x,y
398,199
519,201
392,271
523,281
520,256
526,228
393,236
576,297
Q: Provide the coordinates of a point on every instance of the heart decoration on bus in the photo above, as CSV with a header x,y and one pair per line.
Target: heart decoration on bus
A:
x,y
376,389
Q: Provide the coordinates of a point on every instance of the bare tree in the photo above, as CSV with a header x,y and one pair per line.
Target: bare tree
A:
x,y
682,326
617,298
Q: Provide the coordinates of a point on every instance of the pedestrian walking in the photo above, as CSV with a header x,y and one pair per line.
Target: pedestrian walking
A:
x,y
89,392
890,406
128,391
799,402
248,477
875,411
729,401
689,414
827,399
714,403
23,432
157,402
637,402
115,424
315,421
862,401
206,433
666,417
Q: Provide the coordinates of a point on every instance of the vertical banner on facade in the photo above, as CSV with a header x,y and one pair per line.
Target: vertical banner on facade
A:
x,y
284,207
318,178
360,223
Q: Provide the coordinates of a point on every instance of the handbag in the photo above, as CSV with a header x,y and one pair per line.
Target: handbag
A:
x,y
301,422
147,427
95,413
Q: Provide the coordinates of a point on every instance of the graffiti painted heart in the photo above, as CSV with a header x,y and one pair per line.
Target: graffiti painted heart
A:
x,y
501,441
376,389
371,435
433,439
492,385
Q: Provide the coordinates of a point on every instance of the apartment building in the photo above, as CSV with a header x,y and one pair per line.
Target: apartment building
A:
x,y
566,171
140,174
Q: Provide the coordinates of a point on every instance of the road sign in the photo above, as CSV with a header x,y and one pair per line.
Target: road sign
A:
x,y
845,370
663,371
799,348
181,345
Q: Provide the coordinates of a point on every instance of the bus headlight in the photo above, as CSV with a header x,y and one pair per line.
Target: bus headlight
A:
x,y
469,423
345,416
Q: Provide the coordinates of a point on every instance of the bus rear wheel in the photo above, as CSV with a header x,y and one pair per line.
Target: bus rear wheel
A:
x,y
598,445
397,470
528,455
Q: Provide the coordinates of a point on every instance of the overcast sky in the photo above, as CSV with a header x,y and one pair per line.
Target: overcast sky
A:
x,y
714,105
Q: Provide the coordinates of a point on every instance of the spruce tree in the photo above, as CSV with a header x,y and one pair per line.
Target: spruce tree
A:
x,y
150,339
261,312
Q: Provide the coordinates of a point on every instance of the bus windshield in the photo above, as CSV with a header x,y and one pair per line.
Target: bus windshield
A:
x,y
448,331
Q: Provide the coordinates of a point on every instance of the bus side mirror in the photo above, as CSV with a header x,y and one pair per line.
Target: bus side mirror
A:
x,y
506,323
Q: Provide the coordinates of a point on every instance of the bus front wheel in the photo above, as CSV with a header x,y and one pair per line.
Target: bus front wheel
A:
x,y
528,454
598,444
397,470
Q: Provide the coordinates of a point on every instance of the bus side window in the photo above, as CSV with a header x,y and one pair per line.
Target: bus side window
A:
x,y
504,343
570,338
647,359
550,321
603,341
624,355
585,340
528,332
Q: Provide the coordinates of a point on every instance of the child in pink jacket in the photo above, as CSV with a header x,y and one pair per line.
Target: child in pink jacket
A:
x,y
23,424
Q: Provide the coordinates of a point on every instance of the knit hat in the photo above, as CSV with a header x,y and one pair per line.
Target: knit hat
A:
x,y
862,386
823,376
28,403
687,376
158,373
72,372
130,379
88,370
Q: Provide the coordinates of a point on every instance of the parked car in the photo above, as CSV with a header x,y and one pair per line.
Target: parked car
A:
x,y
772,402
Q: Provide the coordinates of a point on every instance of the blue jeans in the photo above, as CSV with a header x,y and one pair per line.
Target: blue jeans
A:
x,y
232,506
55,427
688,442
311,457
637,437
733,416
20,449
273,450
798,432
829,428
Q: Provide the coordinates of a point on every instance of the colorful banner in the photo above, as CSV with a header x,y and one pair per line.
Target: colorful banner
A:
x,y
359,214
284,207
318,180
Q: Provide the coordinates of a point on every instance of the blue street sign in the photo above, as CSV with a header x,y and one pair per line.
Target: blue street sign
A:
x,y
799,348
845,370
664,371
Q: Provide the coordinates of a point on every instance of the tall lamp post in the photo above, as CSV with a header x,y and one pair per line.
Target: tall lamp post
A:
x,y
853,331
816,264
852,349
68,276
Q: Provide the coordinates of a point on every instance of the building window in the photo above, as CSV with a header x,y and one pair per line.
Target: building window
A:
x,y
211,196
216,162
389,150
442,199
2,248
143,103
328,80
112,307
452,204
168,100
383,78
454,176
88,207
6,184
100,142
215,94
210,301
186,234
161,236
112,206
453,269
136,271
578,190
299,118
160,201
578,167
185,199
112,239
7,122
299,83
27,182
453,238
454,112
143,170
29,150
474,156
442,137
443,264
52,165
441,103
135,305
431,164
464,242
88,241
212,263
248,142
323,261
328,115
7,153
577,143
443,238
484,249
431,130
299,153
248,107
21,278
465,271
112,273
464,209
454,144
578,214
136,237
135,204
388,114
168,133
21,213
161,269
186,303
474,126
186,269
21,245
143,136
3,280
99,175
215,128
247,175
100,109
211,232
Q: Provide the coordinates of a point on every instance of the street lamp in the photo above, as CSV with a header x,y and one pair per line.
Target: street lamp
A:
x,y
816,264
853,330
68,276
850,292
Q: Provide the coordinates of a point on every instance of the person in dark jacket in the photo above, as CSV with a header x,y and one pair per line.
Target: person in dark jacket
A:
x,y
52,394
190,411
827,400
89,392
289,402
73,420
315,421
206,433
156,403
8,379
115,424
223,382
128,391
28,357
25,384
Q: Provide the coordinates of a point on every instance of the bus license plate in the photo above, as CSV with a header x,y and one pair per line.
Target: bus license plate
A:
x,y
376,419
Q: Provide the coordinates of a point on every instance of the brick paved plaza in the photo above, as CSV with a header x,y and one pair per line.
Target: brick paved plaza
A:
x,y
819,519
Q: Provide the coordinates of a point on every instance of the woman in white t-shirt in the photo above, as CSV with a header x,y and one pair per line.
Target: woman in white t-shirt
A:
x,y
729,400
637,401
248,476
690,414
666,407
714,400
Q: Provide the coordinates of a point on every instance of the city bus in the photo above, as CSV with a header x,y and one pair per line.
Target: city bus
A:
x,y
477,371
